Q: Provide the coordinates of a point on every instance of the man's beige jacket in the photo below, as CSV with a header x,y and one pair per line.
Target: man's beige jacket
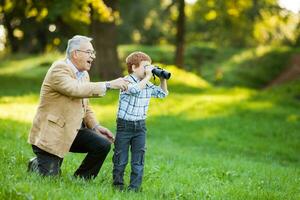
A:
x,y
62,109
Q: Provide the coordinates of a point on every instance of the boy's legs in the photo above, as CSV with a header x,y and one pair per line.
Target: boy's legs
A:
x,y
120,157
137,157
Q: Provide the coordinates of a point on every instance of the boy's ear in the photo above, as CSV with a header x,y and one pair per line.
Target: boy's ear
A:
x,y
133,67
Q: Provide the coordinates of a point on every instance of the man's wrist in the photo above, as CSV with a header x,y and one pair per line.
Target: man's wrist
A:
x,y
107,85
96,126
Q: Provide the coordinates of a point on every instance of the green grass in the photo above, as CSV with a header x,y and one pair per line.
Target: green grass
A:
x,y
252,67
202,142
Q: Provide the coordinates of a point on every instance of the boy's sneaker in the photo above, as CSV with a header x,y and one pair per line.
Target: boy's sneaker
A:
x,y
33,165
119,187
132,189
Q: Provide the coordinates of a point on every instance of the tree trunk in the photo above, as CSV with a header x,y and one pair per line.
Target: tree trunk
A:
x,y
179,56
104,36
12,41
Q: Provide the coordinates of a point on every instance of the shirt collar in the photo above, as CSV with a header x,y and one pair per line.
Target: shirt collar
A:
x,y
135,79
78,73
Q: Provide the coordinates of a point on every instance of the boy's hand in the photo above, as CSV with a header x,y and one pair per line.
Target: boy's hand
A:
x,y
162,79
148,70
163,84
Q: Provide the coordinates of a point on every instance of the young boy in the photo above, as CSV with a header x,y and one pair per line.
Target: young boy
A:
x,y
131,127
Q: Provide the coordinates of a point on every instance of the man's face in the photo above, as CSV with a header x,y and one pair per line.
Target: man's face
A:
x,y
84,56
140,70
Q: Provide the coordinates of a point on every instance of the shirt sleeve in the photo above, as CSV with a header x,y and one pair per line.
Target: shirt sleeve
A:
x,y
133,88
157,92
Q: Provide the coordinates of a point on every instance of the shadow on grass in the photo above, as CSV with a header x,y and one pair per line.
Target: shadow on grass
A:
x,y
17,86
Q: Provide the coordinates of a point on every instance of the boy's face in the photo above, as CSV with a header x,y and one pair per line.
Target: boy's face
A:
x,y
139,71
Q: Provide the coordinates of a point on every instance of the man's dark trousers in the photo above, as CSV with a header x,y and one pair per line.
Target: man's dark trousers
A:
x,y
86,141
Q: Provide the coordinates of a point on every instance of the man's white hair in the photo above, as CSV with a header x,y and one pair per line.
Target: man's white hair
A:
x,y
75,42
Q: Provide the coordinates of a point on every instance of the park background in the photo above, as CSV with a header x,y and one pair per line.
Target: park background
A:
x,y
229,128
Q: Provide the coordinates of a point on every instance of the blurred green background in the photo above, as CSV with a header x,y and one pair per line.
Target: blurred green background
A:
x,y
229,128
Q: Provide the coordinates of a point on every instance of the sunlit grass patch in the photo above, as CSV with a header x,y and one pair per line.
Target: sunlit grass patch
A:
x,y
182,77
31,98
20,112
201,105
257,52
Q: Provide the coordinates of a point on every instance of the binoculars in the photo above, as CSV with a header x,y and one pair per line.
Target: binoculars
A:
x,y
159,72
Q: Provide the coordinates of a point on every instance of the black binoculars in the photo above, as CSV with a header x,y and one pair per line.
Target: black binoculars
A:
x,y
159,72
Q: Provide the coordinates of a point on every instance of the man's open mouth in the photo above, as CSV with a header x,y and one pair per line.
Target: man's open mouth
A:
x,y
89,61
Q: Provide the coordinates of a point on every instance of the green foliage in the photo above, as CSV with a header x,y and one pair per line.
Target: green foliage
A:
x,y
145,22
28,22
197,54
38,26
202,142
241,23
159,54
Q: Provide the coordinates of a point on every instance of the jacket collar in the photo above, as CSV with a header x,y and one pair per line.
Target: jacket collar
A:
x,y
77,74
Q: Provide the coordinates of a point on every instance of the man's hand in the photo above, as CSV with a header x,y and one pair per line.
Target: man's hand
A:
x,y
119,83
105,132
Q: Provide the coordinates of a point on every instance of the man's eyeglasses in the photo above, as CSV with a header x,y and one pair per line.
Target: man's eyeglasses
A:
x,y
91,53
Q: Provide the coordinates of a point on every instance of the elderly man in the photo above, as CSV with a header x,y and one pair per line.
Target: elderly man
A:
x,y
64,121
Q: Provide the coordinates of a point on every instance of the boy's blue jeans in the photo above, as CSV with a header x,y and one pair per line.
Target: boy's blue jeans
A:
x,y
133,134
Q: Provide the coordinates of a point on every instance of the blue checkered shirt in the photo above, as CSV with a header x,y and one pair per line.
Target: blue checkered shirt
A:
x,y
134,103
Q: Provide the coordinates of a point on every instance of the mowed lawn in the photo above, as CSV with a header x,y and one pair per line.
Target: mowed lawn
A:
x,y
202,142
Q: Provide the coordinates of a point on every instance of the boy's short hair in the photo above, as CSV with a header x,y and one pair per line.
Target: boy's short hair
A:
x,y
135,58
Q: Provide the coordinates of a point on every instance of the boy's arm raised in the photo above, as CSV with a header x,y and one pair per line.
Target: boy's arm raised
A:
x,y
146,79
163,85
136,88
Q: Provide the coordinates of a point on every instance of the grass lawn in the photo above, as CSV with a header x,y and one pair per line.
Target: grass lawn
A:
x,y
202,142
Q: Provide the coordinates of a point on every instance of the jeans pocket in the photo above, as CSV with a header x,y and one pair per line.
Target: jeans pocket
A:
x,y
121,126
142,157
138,157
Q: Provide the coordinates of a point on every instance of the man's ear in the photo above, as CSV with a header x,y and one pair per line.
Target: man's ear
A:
x,y
74,55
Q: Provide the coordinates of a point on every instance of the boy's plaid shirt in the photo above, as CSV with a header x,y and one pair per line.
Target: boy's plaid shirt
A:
x,y
134,103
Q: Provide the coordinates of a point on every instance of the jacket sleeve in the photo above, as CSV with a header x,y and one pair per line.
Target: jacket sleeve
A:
x,y
90,119
62,81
